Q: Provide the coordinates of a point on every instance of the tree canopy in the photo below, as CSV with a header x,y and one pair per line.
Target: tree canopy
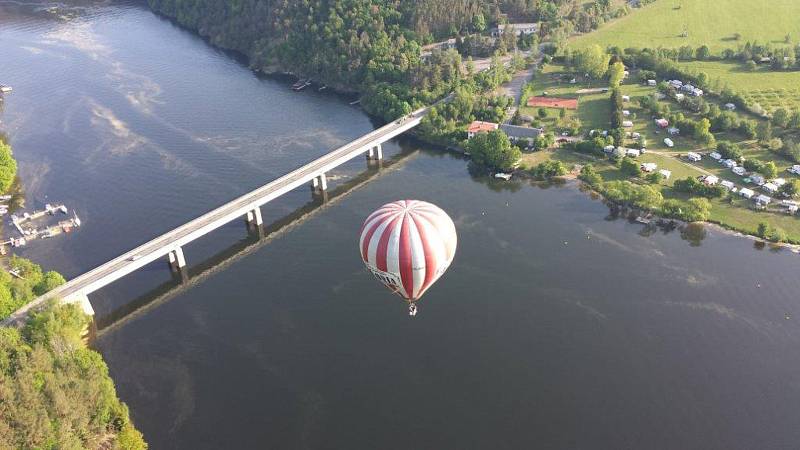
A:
x,y
55,392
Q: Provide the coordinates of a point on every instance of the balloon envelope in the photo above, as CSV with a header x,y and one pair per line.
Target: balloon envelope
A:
x,y
408,245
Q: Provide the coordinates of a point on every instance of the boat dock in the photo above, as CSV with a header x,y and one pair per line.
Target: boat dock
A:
x,y
29,231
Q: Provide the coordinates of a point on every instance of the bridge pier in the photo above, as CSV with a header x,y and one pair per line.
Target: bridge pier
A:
x,y
254,218
320,183
83,301
176,259
375,152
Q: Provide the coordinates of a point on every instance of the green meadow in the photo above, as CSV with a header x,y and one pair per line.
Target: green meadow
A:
x,y
709,22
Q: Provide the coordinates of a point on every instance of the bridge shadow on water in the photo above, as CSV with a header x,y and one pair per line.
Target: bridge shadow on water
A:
x,y
256,238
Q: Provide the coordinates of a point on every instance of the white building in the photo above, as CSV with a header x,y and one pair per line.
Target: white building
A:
x,y
727,184
518,28
651,82
746,193
633,153
710,180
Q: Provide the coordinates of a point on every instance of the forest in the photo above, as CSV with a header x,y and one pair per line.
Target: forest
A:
x,y
370,46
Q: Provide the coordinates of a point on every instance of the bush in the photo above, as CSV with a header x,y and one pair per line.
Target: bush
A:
x,y
590,176
627,193
630,167
692,186
693,210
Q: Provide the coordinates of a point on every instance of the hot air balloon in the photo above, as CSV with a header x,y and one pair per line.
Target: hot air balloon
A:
x,y
408,245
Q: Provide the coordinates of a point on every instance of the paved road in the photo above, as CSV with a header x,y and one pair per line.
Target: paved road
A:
x,y
162,245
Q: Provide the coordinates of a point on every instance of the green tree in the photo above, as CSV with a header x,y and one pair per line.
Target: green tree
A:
x,y
549,169
493,150
592,60
478,23
615,74
542,113
8,167
769,170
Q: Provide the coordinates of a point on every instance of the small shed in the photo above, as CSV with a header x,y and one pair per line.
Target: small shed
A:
x,y
739,170
632,152
730,106
746,193
627,124
668,142
651,82
727,184
665,173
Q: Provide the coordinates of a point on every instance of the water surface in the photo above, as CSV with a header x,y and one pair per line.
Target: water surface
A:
x,y
557,326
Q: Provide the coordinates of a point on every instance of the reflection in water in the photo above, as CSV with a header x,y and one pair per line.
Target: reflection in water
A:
x,y
694,233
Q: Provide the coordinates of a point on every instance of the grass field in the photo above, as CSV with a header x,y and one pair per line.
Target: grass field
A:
x,y
593,109
769,89
709,22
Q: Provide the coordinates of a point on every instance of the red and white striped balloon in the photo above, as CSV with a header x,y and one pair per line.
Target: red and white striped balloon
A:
x,y
408,245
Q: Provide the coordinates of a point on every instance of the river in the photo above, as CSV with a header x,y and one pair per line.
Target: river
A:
x,y
559,324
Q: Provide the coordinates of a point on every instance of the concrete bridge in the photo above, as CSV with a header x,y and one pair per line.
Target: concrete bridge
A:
x,y
170,245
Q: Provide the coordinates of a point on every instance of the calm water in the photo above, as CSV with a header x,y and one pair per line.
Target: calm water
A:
x,y
557,326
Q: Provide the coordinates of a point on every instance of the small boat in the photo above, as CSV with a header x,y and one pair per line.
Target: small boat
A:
x,y
355,102
5,89
5,197
323,87
503,176
301,84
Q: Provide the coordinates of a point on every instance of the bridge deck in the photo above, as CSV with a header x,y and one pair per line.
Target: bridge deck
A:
x,y
162,245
